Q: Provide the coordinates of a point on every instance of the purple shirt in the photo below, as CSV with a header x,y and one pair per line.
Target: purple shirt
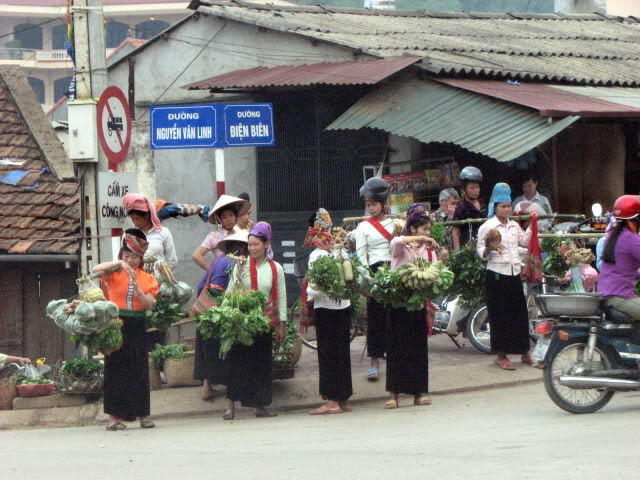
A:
x,y
464,211
619,279
219,271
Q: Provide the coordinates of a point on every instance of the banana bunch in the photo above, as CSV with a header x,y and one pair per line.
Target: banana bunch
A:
x,y
426,275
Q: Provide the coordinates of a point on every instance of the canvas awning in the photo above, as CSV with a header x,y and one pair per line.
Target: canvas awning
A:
x,y
432,112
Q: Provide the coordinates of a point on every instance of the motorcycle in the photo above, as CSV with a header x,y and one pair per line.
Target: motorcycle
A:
x,y
451,319
594,351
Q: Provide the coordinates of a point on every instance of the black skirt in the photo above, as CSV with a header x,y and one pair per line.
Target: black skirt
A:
x,y
407,352
376,324
507,312
250,379
334,353
126,373
207,363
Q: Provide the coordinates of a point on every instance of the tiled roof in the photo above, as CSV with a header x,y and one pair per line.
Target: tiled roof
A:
x,y
595,49
39,212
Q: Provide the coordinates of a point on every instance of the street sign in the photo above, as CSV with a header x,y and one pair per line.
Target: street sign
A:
x,y
114,125
111,188
183,126
213,125
248,125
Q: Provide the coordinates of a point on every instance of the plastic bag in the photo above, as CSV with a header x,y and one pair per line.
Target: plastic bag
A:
x,y
89,291
30,371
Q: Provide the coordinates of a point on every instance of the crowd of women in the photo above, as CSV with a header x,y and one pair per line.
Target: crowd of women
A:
x,y
242,258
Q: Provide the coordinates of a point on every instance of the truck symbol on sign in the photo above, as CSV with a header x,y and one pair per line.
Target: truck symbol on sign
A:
x,y
114,123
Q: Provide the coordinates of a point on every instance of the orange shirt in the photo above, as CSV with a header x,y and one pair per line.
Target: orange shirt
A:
x,y
121,293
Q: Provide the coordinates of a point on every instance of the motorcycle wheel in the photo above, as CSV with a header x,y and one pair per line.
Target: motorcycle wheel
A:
x,y
478,331
570,399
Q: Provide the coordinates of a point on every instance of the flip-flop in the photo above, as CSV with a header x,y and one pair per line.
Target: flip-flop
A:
x,y
391,404
421,400
528,361
505,364
229,415
146,423
372,374
324,410
116,426
345,407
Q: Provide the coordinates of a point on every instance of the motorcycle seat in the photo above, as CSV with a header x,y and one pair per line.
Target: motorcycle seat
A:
x,y
616,316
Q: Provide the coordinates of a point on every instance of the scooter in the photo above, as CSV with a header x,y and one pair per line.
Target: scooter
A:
x,y
452,319
594,351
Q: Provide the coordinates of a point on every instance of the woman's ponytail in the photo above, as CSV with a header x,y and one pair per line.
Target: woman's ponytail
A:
x,y
609,253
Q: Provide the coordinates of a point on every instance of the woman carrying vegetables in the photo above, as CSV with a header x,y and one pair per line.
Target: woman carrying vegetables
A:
x,y
332,322
372,238
126,371
498,241
407,348
250,366
209,367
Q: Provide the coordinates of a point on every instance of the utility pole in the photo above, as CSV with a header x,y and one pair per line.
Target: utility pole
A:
x,y
91,80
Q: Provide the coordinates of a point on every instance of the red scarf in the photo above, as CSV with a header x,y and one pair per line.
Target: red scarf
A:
x,y
378,226
271,309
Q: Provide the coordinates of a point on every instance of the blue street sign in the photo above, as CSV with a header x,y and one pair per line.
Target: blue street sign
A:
x,y
212,126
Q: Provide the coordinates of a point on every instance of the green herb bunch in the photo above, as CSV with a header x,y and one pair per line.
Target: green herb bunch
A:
x,y
468,281
165,312
438,233
326,274
554,263
388,288
282,352
161,353
82,368
106,341
237,318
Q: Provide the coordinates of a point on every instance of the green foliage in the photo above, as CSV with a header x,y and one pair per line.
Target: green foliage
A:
x,y
23,379
165,312
438,233
468,270
388,289
82,368
161,353
107,341
238,318
282,352
326,275
554,264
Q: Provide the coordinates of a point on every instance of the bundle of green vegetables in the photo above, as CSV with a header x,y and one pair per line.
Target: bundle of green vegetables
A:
x,y
281,353
160,353
80,317
237,318
107,341
554,263
24,379
438,233
168,307
468,281
337,277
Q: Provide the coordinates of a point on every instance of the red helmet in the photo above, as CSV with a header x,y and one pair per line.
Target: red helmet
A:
x,y
626,207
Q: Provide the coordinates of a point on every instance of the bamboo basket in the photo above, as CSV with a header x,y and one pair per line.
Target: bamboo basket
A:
x,y
155,382
179,373
7,394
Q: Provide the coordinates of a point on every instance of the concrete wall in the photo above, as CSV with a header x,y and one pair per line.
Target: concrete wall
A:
x,y
591,166
189,175
623,7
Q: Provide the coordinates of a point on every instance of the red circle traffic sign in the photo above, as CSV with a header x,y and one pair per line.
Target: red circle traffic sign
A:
x,y
114,124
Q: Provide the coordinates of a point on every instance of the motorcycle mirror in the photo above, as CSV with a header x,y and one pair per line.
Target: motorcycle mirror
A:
x,y
596,209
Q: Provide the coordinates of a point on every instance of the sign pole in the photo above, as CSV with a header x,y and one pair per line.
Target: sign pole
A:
x,y
220,185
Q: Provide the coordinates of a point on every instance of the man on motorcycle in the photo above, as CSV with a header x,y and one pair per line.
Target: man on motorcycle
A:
x,y
621,258
469,207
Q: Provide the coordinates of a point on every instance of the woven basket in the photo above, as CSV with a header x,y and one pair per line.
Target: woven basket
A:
x,y
155,382
190,343
179,373
7,394
284,367
296,353
37,390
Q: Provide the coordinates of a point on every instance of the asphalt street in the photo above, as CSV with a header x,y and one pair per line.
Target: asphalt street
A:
x,y
508,433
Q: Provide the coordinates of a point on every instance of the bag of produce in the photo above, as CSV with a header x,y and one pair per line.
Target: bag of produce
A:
x,y
89,291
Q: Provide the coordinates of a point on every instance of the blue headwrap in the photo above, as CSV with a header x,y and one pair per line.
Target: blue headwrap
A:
x,y
501,193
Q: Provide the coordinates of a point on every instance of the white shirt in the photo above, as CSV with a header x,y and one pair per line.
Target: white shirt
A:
x,y
320,300
161,246
507,261
371,246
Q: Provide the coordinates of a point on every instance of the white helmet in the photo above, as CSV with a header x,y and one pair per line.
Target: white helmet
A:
x,y
471,174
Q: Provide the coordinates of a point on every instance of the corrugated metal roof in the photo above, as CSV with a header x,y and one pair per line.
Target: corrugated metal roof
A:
x,y
592,49
340,73
431,112
555,102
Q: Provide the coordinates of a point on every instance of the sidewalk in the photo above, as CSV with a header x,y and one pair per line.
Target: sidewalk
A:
x,y
451,370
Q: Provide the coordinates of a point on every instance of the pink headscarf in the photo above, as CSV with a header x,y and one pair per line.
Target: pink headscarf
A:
x,y
137,201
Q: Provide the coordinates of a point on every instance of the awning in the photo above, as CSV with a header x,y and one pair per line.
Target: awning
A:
x,y
432,112
559,100
362,72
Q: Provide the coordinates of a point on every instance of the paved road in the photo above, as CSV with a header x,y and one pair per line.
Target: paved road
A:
x,y
509,433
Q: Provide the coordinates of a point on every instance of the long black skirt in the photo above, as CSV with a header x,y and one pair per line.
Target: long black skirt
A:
x,y
376,324
334,353
507,312
407,352
207,363
250,379
126,374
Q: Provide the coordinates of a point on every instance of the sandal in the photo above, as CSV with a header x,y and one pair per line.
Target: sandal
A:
x,y
146,423
345,407
421,400
264,413
527,361
391,404
324,410
229,415
372,374
505,364
116,426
